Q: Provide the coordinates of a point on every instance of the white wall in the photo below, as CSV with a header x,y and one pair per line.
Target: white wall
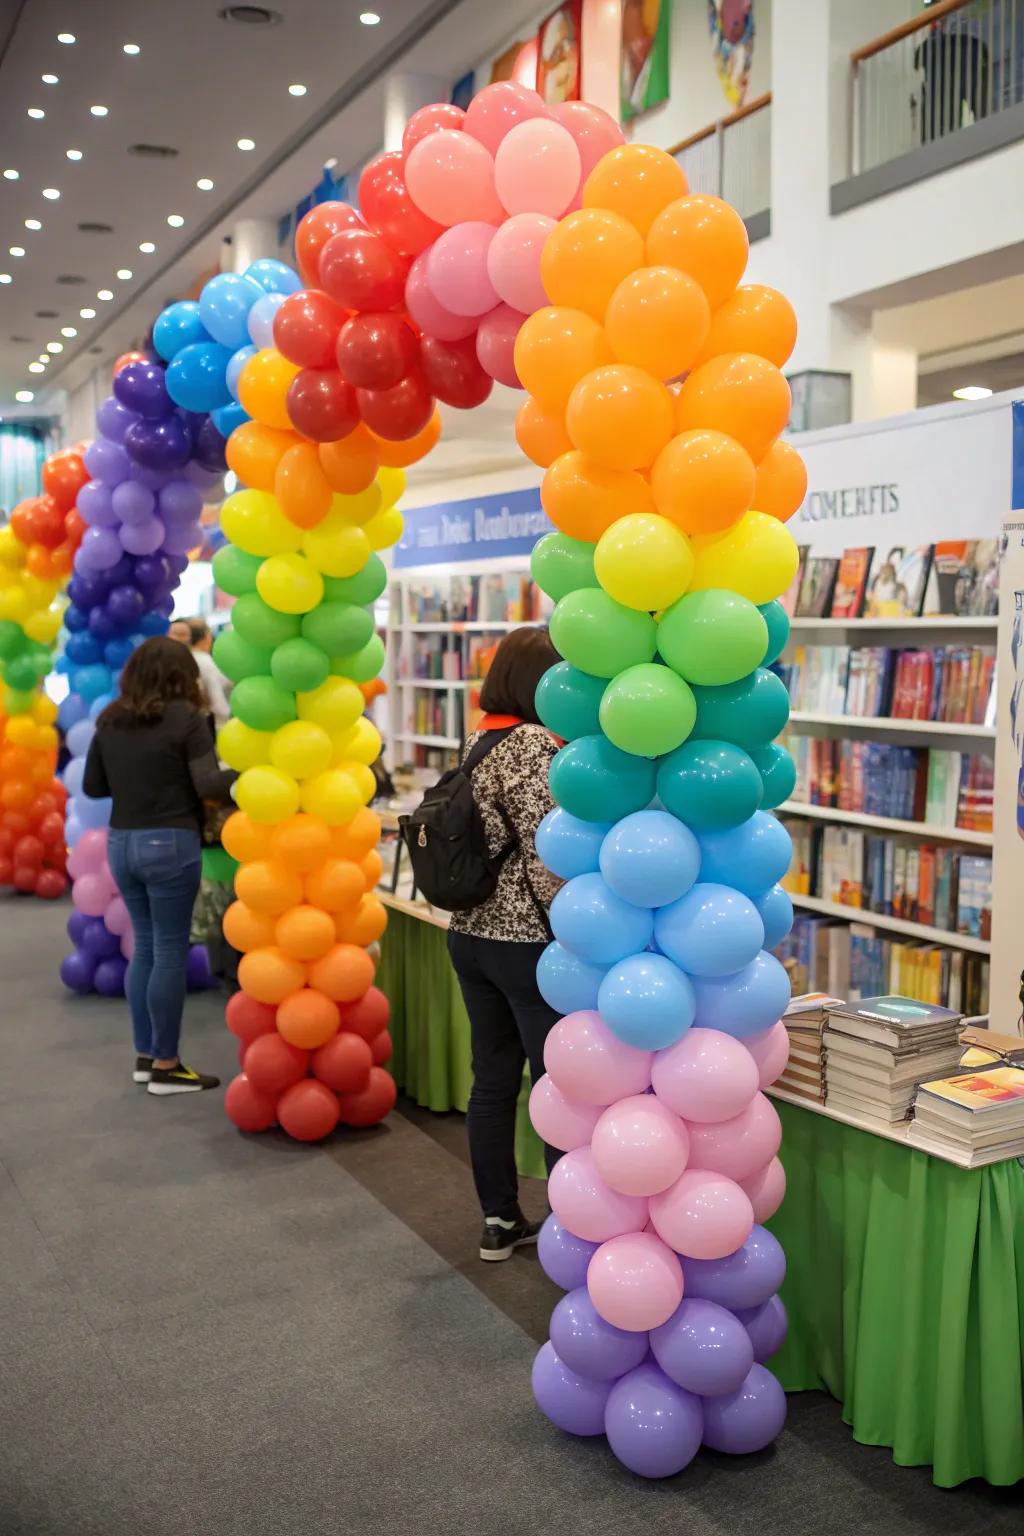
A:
x,y
697,98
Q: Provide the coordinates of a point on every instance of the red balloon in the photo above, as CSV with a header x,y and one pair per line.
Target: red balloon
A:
x,y
29,851
371,1105
38,520
322,405
381,1048
306,328
308,1110
388,208
361,271
44,805
51,829
313,233
17,823
453,372
344,1062
368,1015
51,885
6,842
272,1065
248,1019
440,114
130,357
25,877
74,527
64,474
250,1109
376,351
399,412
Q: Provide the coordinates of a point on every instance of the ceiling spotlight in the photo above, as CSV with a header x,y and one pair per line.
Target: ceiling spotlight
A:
x,y
10,175
52,193
331,164
73,154
50,79
24,396
44,358
87,314
124,273
55,347
296,90
204,184
17,250
5,277
32,224
369,18
36,112
36,368
972,392
66,37
68,330
130,48
147,247
98,111
247,143
104,294
175,220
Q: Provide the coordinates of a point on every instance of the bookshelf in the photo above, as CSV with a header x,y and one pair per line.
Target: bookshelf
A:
x,y
937,622
924,829
891,924
851,723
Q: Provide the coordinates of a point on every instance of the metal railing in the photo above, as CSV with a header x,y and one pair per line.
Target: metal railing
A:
x,y
958,62
732,157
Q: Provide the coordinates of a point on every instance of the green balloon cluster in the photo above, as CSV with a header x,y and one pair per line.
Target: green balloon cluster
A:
x,y
559,565
23,664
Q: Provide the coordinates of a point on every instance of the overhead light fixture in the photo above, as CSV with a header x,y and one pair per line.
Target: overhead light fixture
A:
x,y
130,48
44,358
55,347
98,111
124,273
52,193
32,224
369,18
296,90
36,112
331,164
17,250
87,314
24,396
972,392
5,277
204,184
66,37
68,330
104,294
73,154
10,174
50,79
147,247
175,220
247,143
36,368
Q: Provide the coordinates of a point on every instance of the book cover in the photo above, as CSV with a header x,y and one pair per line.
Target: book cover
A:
x,y
816,587
789,597
980,582
949,580
980,1092
897,589
851,582
898,1012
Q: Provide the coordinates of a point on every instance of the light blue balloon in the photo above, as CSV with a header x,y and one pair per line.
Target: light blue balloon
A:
x,y
776,909
746,1003
228,418
260,324
647,1001
751,857
73,775
273,276
237,362
91,682
567,983
195,377
92,813
650,858
179,325
70,710
97,706
590,921
79,737
711,931
224,306
569,846
73,829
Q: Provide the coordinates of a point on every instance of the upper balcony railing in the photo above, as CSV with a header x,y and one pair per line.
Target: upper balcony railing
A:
x,y
732,159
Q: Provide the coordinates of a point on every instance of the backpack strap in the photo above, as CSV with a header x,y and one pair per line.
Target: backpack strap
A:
x,y
487,743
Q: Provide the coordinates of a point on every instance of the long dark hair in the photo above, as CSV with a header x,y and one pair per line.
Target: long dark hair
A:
x,y
155,675
519,663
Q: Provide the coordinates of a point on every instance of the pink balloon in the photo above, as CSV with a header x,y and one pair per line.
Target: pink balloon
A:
x,y
116,917
766,1189
640,1147
590,1064
496,344
89,854
497,109
537,168
91,894
738,1147
702,1215
513,261
770,1051
440,114
431,317
595,131
584,1203
705,1076
560,1121
635,1281
457,269
128,944
450,178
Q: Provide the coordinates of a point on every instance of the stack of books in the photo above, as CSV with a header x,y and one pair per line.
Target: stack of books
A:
x,y
879,1050
979,1115
805,1020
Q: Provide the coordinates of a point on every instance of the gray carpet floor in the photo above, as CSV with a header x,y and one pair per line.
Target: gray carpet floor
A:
x,y
207,1333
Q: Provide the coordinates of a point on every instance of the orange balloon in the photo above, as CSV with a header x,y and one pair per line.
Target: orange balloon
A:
x,y
738,394
582,498
63,557
620,417
269,975
541,434
301,843
39,562
247,929
373,689
372,867
365,925
344,973
245,839
586,256
754,319
267,886
703,481
555,347
307,1019
16,762
305,933
254,451
263,387
781,483
337,886
301,486
399,455
658,318
636,181
351,463
355,840
17,794
703,237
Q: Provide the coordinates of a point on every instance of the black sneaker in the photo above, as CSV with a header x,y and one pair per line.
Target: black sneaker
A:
x,y
179,1079
500,1239
143,1069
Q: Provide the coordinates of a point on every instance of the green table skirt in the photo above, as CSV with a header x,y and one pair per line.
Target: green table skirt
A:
x,y
905,1291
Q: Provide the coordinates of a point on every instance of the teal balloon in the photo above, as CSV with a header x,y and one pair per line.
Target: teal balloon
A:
x,y
560,565
748,713
257,622
338,628
299,666
364,587
712,637
777,620
238,658
778,774
710,785
362,665
262,703
568,701
600,636
648,710
234,571
593,780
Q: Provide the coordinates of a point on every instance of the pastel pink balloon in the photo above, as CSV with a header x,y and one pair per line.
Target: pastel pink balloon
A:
x,y
705,1076
497,109
559,1121
128,944
92,894
450,178
439,114
635,1282
457,269
586,1205
594,130
770,1051
89,854
431,317
590,1064
496,344
738,1147
702,1215
640,1146
767,1189
513,261
116,917
537,168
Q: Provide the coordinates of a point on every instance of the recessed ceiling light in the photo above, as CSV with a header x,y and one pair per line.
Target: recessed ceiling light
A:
x,y
44,358
68,330
175,220
204,184
52,193
124,273
50,79
66,37
32,224
10,175
247,143
36,112
87,314
55,347
147,247
972,392
98,111
131,48
73,154
5,277
24,396
104,294
36,368
369,18
296,90
17,250
331,164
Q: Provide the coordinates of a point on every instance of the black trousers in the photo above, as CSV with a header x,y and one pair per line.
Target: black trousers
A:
x,y
509,1023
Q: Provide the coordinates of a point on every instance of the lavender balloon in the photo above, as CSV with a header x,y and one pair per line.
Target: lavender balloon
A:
x,y
653,1426
95,503
563,1256
143,538
572,1402
108,461
767,1326
745,1278
703,1348
589,1345
100,549
180,502
113,419
748,1419
133,502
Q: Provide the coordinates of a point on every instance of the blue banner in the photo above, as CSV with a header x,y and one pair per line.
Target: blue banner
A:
x,y
484,528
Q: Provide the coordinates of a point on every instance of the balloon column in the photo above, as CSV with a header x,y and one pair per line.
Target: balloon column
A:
x,y
36,552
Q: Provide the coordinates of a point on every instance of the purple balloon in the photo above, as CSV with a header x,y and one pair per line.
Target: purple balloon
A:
x,y
745,1278
209,448
142,387
143,538
164,606
113,420
204,478
653,1425
98,941
748,1419
88,587
177,563
574,1403
180,502
158,444
99,550
95,503
123,571
563,1256
108,461
154,479
179,539
152,572
703,1348
198,974
126,605
109,977
767,1326
77,926
77,971
101,625
133,502
588,1344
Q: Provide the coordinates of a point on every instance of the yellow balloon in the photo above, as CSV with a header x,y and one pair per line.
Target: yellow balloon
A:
x,y
336,546
392,485
336,705
267,795
12,550
301,749
263,387
44,710
43,626
757,557
45,738
644,561
40,593
362,743
290,583
21,730
241,747
362,777
254,521
14,604
8,578
385,529
360,507
333,796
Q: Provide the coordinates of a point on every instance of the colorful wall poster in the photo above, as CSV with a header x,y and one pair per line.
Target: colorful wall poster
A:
x,y
645,67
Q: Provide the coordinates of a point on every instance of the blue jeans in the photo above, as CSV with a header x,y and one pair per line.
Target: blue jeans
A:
x,y
157,871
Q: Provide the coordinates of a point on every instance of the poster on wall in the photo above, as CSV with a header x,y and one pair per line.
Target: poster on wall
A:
x,y
732,43
560,54
644,69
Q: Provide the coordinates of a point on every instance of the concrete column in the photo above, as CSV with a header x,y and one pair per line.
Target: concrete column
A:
x,y
404,94
252,239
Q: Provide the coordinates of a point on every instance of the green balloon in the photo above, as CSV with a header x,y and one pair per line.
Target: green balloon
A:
x,y
560,565
260,624
238,657
363,665
568,701
712,637
11,638
599,636
299,666
710,785
234,571
648,710
21,673
593,780
748,713
338,628
262,703
364,587
18,701
777,620
778,774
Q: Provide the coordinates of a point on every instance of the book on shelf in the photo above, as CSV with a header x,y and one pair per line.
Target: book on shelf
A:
x,y
851,582
792,592
897,588
952,684
499,597
819,948
817,586
964,579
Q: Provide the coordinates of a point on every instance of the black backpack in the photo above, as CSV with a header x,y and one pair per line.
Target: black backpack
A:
x,y
447,841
